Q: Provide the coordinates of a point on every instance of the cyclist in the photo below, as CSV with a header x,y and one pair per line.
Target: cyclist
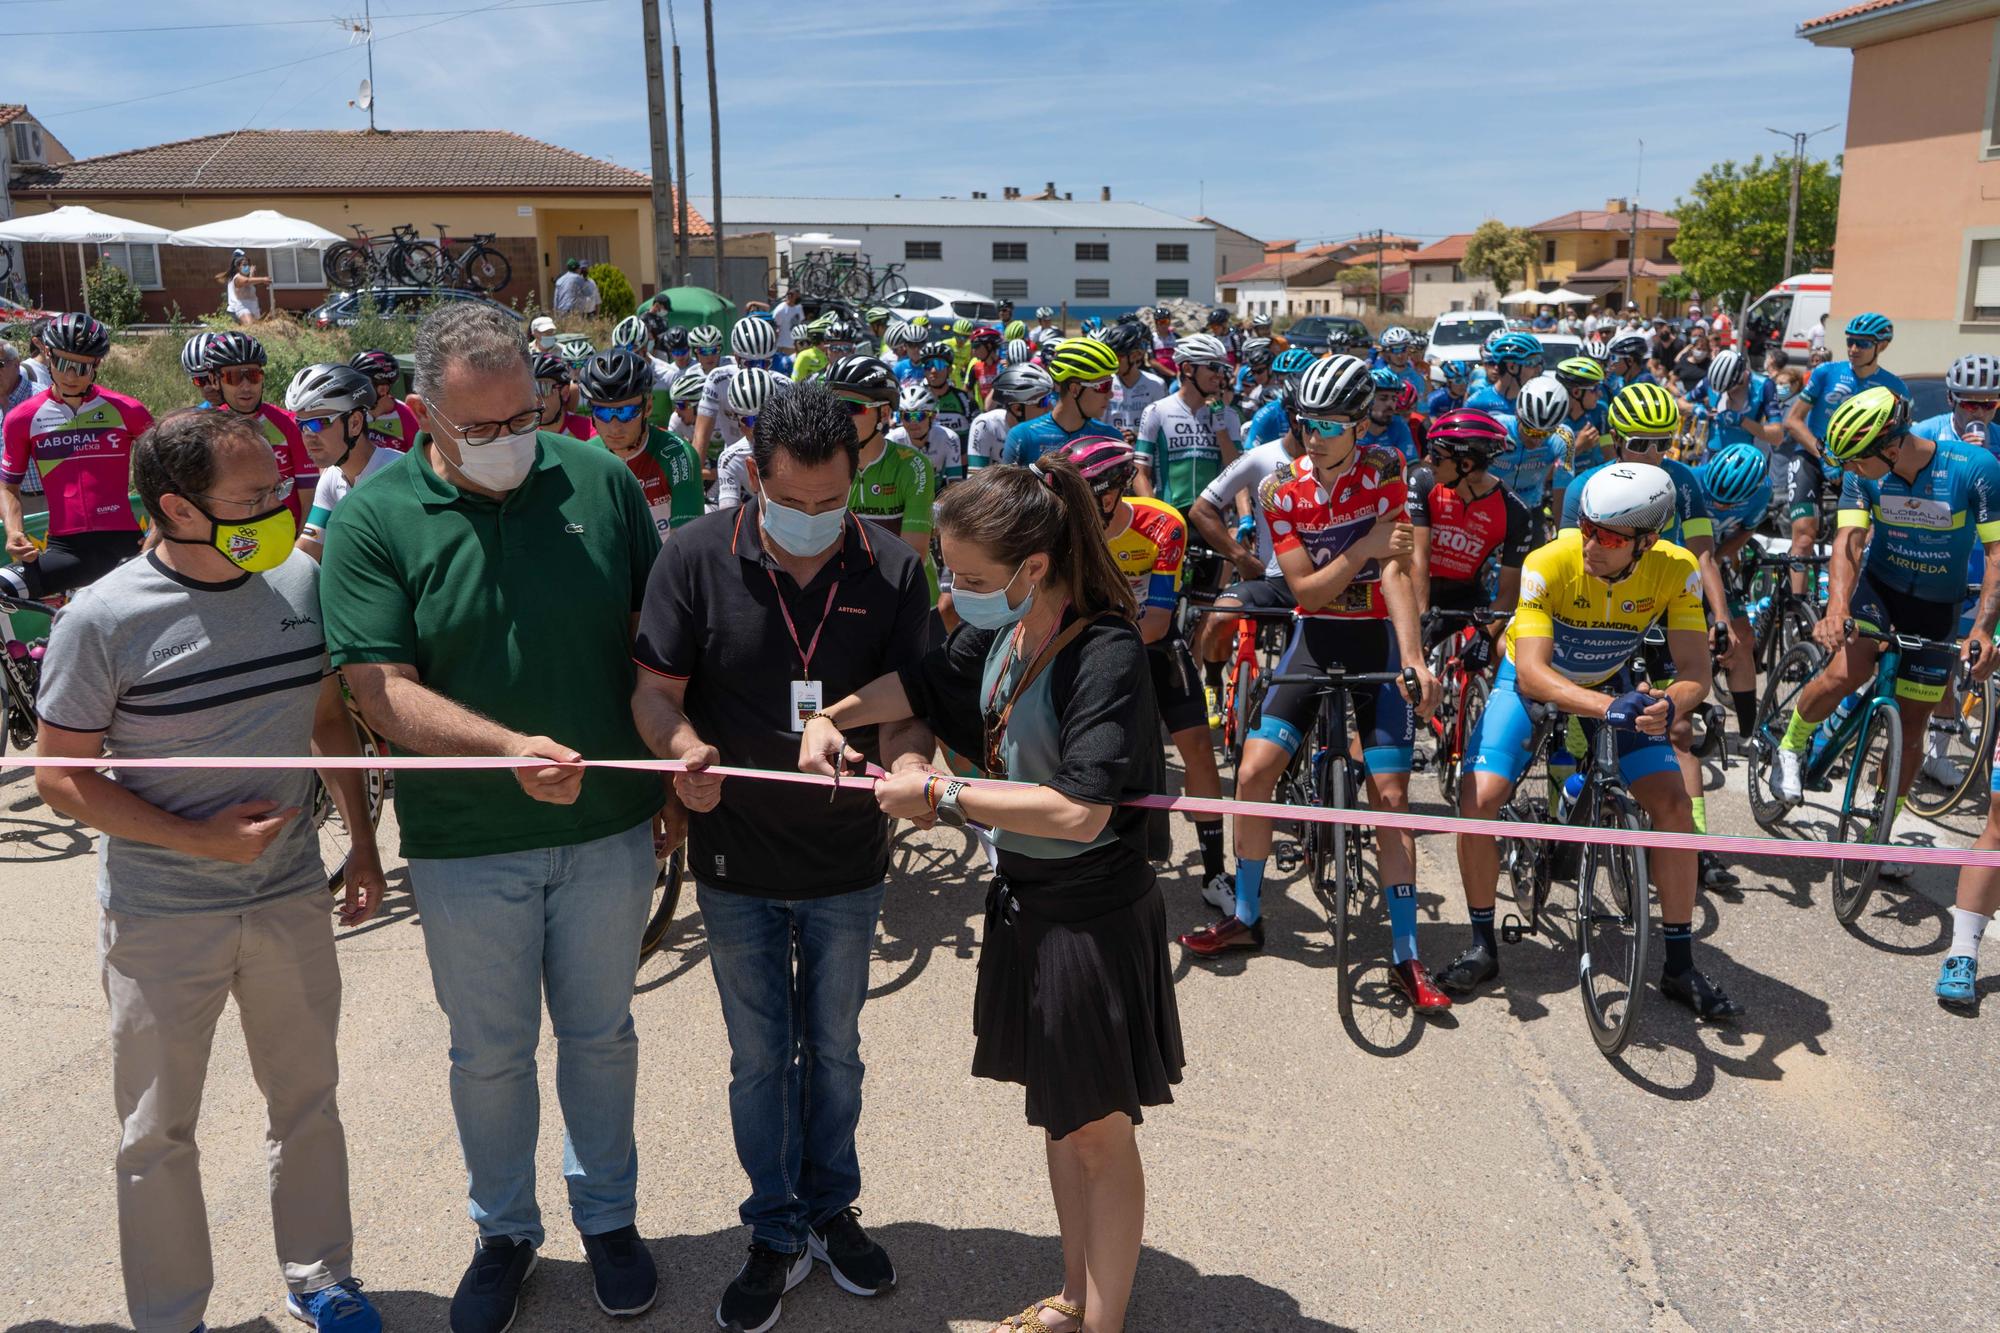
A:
x,y
77,438
1977,898
1383,427
1023,394
1928,502
391,425
1737,485
955,407
1338,532
918,427
555,395
658,324
1800,460
1164,337
1463,517
1511,360
1587,600
683,408
752,344
705,342
1186,439
1273,419
1016,353
1449,396
877,318
1083,370
232,380
1625,362
1148,540
1736,404
1397,345
1045,322
618,385
1134,387
894,486
985,363
748,393
960,342
677,350
907,342
1972,391
632,332
1255,385
1537,443
330,403
1582,425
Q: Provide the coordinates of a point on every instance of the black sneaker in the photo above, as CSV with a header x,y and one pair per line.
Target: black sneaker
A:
x,y
1469,971
621,1271
1693,989
1714,874
753,1302
859,1266
489,1294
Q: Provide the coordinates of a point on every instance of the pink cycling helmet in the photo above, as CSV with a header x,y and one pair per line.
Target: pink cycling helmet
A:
x,y
1105,461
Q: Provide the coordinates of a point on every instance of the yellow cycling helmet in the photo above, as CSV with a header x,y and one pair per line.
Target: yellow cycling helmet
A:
x,y
1865,422
1082,359
1645,409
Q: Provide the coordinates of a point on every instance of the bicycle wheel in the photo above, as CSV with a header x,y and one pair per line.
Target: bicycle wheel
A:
x,y
1795,627
1963,728
346,266
1341,881
666,897
891,290
417,263
336,840
1774,713
1240,697
487,270
1320,842
1526,863
1459,730
1613,926
1869,811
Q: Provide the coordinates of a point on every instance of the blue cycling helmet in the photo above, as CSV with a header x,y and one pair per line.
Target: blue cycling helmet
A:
x,y
1293,360
1736,474
1871,325
1091,323
1457,372
1385,378
1516,349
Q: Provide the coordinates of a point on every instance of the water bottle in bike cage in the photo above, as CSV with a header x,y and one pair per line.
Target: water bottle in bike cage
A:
x,y
1566,803
1824,732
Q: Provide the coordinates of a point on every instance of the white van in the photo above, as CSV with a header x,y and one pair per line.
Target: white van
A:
x,y
1460,335
1786,314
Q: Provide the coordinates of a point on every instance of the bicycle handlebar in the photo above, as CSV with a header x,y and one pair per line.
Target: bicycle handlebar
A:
x,y
1909,643
11,604
1242,612
1343,680
1787,561
1478,615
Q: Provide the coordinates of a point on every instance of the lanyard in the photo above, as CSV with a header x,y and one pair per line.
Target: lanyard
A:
x,y
998,721
806,653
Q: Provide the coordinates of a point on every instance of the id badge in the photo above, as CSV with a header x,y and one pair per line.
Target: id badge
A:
x,y
807,698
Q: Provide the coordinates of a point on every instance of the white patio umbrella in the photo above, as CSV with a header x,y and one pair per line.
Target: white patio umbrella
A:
x,y
259,229
1564,296
81,226
1525,297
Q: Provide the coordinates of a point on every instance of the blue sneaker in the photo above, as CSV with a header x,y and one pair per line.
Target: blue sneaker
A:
x,y
1958,983
340,1308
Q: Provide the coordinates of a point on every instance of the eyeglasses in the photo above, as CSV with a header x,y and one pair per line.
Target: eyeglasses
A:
x,y
749,422
709,351
1977,404
1860,344
916,415
485,432
316,424
856,406
241,375
629,412
64,365
1609,539
543,388
1101,386
1648,444
260,502
1322,426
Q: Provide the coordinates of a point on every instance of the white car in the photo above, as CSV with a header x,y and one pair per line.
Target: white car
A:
x,y
1460,335
947,303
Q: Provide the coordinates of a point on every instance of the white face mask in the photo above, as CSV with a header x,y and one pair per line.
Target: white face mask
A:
x,y
547,342
501,465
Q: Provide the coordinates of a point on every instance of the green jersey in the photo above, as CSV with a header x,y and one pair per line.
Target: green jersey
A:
x,y
807,364
894,494
670,475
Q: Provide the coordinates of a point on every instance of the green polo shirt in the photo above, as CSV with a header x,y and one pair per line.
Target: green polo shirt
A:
x,y
519,609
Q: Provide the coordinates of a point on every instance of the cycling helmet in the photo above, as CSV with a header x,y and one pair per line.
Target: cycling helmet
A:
x,y
987,334
753,340
1458,372
549,366
916,398
1018,351
1041,337
1635,496
1395,338
617,373
79,335
1726,371
962,327
688,385
1871,325
750,388
1386,379
865,377
1336,386
1217,316
1467,430
1406,399
933,354
1543,403
192,352
1597,349
1044,312
1260,321
1294,361
677,341
705,335
1492,341
906,335
1125,339
1580,372
375,364
1629,347
1015,330
1022,385
1106,462
1976,375
328,389
1082,359
1736,474
1257,353
631,331
1517,349
876,314
1201,349
657,319
228,348
575,349
1866,422
1645,409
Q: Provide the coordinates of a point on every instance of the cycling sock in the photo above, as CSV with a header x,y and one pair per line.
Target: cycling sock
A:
x,y
1402,921
1208,832
1482,929
1249,890
1700,804
1746,711
1967,928
1798,734
1680,948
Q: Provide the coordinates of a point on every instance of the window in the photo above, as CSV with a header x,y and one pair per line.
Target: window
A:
x,y
1984,282
1623,250
1010,252
1166,287
1009,289
1458,273
1458,305
1093,252
1169,254
141,263
1093,289
1989,142
295,268
923,250
1548,252
1667,252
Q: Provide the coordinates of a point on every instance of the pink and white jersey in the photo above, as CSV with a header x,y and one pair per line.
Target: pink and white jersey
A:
x,y
280,430
83,456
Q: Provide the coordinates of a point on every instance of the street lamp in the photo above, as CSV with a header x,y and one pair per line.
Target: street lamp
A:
x,y
1798,139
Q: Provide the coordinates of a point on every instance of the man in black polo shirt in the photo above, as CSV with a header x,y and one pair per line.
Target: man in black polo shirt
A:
x,y
754,618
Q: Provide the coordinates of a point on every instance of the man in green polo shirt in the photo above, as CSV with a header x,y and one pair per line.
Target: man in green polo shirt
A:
x,y
480,601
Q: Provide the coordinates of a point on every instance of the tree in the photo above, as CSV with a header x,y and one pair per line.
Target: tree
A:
x,y
1732,233
1500,254
112,298
615,298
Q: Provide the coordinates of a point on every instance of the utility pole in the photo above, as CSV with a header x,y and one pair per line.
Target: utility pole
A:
x,y
714,139
1378,270
680,159
1798,140
1632,245
656,123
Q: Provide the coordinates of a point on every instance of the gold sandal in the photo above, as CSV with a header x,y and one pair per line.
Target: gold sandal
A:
x,y
1029,1320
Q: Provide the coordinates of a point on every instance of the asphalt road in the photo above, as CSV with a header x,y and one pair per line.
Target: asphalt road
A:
x,y
1827,1163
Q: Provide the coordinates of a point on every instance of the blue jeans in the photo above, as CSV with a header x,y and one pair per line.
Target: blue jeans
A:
x,y
792,976
498,931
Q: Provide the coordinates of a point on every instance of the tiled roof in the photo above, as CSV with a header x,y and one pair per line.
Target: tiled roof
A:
x,y
11,112
1450,250
1288,244
1597,219
1393,284
1851,12
343,162
1613,270
1283,268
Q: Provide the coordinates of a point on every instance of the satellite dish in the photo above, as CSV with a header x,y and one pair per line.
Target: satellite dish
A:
x,y
366,96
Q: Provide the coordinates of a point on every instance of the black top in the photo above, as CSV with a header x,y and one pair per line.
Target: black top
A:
x,y
711,617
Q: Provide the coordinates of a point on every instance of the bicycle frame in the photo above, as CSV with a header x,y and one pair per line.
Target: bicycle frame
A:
x,y
1881,694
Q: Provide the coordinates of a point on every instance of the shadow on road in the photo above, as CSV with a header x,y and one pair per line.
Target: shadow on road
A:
x,y
28,840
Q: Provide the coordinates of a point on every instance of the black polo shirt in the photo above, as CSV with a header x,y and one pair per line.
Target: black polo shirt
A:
x,y
712,618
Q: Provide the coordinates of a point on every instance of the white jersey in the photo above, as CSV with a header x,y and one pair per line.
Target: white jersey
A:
x,y
665,372
1129,402
988,438
732,476
941,446
715,403
1179,429
333,488
787,317
1249,472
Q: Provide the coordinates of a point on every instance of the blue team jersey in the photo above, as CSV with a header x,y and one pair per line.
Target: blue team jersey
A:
x,y
1692,519
1924,531
1031,439
1270,423
1942,427
1523,467
1487,399
1441,402
1574,460
908,371
1729,520
1833,384
1726,428
1396,435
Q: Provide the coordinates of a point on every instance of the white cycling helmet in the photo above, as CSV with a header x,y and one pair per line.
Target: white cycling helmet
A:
x,y
1975,375
1334,386
1727,371
751,388
1018,351
754,339
1395,337
705,335
631,332
1044,312
1543,403
327,390
687,386
1201,349
1634,496
916,398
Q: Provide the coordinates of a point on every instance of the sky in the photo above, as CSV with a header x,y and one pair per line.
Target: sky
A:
x,y
1281,118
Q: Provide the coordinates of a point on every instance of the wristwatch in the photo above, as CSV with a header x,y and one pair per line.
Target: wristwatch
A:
x,y
947,805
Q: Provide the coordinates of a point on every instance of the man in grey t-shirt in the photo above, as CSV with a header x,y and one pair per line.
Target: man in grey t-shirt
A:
x,y
210,878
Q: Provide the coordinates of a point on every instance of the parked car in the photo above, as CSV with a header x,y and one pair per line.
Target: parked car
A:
x,y
344,309
1311,331
1558,347
946,303
1459,335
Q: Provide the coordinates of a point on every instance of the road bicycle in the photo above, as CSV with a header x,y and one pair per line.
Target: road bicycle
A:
x,y
1959,733
1778,616
479,267
1259,644
351,265
1462,695
24,636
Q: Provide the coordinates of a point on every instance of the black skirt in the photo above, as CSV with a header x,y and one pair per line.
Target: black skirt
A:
x,y
1076,994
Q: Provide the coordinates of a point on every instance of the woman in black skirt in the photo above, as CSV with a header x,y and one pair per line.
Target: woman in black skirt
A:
x,y
1046,681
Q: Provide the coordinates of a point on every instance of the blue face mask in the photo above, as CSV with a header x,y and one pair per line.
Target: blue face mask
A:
x,y
799,533
990,610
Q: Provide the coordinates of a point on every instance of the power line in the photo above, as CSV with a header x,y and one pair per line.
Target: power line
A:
x,y
274,23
